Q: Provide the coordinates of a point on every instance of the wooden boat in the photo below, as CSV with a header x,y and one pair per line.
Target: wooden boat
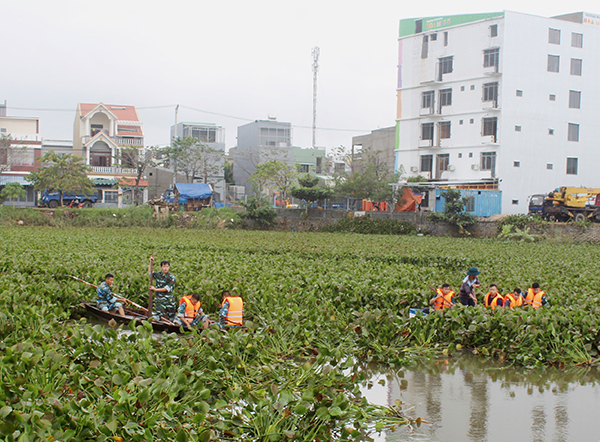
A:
x,y
131,314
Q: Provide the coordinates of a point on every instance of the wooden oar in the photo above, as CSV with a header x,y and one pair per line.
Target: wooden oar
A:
x,y
150,292
116,294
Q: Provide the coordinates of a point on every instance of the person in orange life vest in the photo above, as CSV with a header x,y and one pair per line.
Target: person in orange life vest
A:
x,y
443,298
493,298
190,313
536,297
232,310
514,299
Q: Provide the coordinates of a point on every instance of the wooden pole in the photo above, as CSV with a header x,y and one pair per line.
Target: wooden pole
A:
x,y
150,292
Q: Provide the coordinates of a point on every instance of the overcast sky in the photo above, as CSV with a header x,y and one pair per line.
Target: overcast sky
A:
x,y
224,62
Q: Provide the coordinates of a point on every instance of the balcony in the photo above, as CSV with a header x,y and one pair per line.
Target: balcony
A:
x,y
120,141
115,170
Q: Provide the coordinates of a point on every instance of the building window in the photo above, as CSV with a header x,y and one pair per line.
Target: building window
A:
x,y
519,93
554,36
427,99
444,129
517,128
576,66
573,132
427,131
445,38
303,168
471,121
490,93
433,37
549,166
488,161
426,163
491,58
418,26
425,47
575,99
494,31
470,154
515,202
446,66
470,204
553,63
460,155
552,97
462,88
576,40
445,97
516,164
460,122
443,161
319,167
571,166
472,87
490,127
111,196
550,131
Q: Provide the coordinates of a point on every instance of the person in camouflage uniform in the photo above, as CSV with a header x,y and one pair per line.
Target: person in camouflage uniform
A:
x,y
164,283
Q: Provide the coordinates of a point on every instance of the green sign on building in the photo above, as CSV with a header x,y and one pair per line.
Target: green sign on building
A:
x,y
410,26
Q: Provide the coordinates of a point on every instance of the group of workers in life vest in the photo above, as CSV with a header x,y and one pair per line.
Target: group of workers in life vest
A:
x,y
187,313
444,297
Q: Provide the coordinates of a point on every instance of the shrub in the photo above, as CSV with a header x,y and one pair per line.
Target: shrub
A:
x,y
366,225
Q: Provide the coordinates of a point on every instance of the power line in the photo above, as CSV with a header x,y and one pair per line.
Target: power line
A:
x,y
33,109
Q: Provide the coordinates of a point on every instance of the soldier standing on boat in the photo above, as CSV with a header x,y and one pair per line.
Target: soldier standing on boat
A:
x,y
164,283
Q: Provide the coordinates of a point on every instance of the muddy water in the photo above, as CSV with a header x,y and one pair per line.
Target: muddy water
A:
x,y
467,399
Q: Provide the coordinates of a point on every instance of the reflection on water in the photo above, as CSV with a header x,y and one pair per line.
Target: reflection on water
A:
x,y
469,399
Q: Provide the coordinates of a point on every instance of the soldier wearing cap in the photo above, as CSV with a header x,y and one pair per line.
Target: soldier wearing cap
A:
x,y
467,296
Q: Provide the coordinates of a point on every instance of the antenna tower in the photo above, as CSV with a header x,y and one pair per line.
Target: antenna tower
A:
x,y
315,68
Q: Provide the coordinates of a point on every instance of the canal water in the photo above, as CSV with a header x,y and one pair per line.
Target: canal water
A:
x,y
468,399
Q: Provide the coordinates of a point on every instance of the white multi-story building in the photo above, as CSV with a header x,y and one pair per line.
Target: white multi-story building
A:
x,y
500,101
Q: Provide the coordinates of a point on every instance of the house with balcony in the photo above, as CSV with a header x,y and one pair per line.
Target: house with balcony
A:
x,y
103,134
20,153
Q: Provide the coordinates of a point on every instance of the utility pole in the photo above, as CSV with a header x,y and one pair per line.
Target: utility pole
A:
x,y
315,68
173,139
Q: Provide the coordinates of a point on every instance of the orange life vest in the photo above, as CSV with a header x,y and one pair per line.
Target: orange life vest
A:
x,y
191,310
535,300
235,314
514,302
443,301
493,302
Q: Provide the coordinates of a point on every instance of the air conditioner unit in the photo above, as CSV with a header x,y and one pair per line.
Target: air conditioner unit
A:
x,y
414,169
474,166
451,168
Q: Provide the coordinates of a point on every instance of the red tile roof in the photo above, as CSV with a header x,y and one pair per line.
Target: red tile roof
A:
x,y
123,113
131,182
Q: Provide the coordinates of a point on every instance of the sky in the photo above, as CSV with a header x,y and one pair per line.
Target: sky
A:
x,y
227,62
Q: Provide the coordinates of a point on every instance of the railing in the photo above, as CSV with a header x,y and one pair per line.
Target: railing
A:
x,y
114,170
121,141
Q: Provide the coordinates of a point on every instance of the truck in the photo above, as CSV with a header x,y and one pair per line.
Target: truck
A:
x,y
52,199
567,204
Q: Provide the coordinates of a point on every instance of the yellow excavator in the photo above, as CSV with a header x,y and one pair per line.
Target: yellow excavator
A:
x,y
572,203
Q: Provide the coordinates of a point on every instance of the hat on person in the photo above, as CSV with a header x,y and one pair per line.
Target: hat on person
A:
x,y
473,271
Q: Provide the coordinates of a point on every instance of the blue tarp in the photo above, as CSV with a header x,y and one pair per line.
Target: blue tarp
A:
x,y
221,205
194,190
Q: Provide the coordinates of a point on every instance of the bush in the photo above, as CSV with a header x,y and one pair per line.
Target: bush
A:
x,y
262,215
225,218
366,225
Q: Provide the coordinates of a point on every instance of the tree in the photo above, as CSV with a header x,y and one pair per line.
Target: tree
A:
x,y
138,159
454,212
228,172
192,158
309,191
13,190
275,173
66,173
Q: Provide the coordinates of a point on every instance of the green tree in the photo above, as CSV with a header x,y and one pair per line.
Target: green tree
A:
x,y
228,172
192,158
454,212
370,183
309,190
262,215
275,173
14,191
66,173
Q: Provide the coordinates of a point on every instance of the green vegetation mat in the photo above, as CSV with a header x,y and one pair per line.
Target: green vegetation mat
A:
x,y
318,306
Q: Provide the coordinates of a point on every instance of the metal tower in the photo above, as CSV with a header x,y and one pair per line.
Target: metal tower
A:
x,y
315,68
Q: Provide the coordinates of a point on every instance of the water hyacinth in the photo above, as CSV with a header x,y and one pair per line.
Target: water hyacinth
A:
x,y
318,306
